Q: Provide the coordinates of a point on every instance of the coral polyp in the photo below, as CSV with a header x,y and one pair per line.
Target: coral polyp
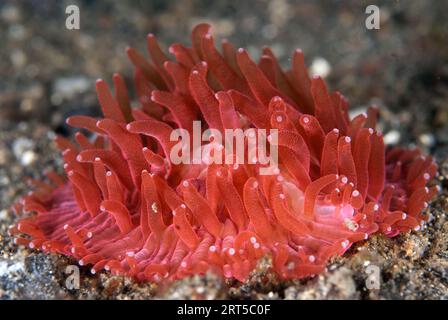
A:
x,y
124,206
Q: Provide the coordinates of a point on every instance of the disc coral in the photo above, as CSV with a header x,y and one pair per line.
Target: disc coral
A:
x,y
124,207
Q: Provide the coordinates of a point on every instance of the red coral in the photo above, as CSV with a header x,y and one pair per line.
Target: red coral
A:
x,y
127,209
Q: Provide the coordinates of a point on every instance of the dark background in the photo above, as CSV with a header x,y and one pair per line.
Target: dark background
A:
x,y
47,73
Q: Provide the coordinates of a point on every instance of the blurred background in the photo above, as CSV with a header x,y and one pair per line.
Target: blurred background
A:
x,y
47,72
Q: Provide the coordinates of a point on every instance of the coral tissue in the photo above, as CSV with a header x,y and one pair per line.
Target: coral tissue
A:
x,y
123,206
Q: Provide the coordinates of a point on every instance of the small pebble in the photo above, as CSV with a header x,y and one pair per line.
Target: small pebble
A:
x,y
20,146
66,88
320,67
427,139
392,137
